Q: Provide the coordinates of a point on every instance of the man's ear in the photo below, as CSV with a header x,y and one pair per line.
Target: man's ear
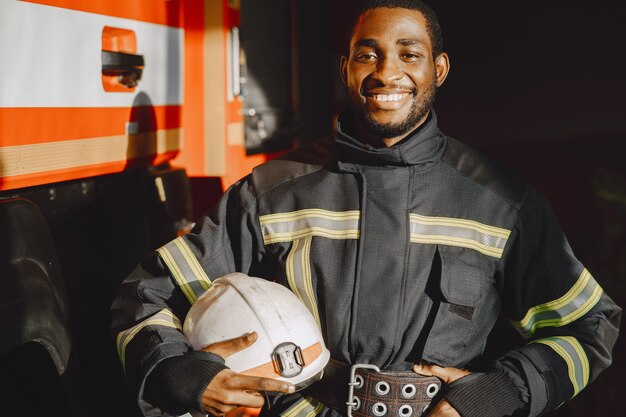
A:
x,y
343,69
442,68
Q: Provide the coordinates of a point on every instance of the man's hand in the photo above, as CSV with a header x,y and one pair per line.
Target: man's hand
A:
x,y
229,390
447,376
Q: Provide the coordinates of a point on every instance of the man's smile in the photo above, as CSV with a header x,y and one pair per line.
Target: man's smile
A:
x,y
386,100
388,97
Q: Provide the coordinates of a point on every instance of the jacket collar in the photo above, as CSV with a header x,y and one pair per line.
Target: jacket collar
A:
x,y
421,147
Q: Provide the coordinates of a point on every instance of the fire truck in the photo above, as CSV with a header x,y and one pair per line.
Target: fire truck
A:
x,y
112,115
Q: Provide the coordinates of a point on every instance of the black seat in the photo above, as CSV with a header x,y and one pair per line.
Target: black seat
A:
x,y
35,343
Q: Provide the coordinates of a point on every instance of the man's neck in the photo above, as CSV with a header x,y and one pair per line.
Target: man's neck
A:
x,y
368,138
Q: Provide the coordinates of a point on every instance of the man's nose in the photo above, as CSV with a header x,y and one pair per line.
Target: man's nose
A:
x,y
387,71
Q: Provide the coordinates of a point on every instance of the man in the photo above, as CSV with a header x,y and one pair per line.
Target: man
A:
x,y
405,245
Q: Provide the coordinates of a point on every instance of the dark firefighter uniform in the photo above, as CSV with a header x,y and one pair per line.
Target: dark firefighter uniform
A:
x,y
402,254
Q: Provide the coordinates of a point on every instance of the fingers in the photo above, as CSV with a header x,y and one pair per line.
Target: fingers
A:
x,y
446,374
228,347
229,390
258,384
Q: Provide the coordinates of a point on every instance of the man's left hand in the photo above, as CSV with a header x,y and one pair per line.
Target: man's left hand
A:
x,y
447,376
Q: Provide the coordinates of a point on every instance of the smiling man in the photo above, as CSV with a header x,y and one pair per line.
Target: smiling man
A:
x,y
392,73
406,246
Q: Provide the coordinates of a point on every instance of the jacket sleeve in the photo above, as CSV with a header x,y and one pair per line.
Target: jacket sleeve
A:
x,y
150,309
569,323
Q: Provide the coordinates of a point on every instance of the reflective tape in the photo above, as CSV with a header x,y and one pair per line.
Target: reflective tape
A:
x,y
185,268
305,407
163,318
574,356
488,240
287,227
299,227
298,268
581,298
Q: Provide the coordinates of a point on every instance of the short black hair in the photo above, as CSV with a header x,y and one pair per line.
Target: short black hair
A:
x,y
432,23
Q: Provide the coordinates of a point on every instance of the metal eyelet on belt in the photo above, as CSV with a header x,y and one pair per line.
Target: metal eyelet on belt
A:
x,y
355,404
382,388
379,409
408,391
358,382
432,390
405,411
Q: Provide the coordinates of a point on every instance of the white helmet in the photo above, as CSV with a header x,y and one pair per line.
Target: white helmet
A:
x,y
289,346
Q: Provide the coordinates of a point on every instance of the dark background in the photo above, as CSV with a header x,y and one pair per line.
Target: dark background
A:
x,y
538,85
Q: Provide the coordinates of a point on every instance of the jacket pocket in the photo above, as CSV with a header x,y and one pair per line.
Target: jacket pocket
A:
x,y
463,285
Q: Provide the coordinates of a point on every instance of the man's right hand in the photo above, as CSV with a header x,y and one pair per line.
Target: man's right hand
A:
x,y
229,390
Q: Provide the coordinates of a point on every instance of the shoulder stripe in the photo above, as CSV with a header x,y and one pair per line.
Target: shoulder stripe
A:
x,y
185,268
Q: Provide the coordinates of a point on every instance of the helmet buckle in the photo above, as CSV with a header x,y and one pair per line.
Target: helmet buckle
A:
x,y
288,359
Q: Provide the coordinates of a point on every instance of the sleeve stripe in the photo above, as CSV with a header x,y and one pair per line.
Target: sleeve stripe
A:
x,y
305,407
185,268
574,356
581,298
163,318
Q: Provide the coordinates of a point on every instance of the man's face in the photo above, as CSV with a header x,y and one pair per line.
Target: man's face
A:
x,y
390,72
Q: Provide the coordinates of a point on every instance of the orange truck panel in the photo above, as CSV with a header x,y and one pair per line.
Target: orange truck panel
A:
x,y
61,117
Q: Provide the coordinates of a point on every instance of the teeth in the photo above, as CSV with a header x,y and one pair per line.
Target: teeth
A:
x,y
389,97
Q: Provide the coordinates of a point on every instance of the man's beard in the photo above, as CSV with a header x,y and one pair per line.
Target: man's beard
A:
x,y
419,109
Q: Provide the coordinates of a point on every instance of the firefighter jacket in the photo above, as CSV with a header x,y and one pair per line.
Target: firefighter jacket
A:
x,y
402,254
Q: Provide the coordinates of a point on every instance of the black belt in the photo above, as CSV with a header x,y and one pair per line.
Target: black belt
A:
x,y
366,391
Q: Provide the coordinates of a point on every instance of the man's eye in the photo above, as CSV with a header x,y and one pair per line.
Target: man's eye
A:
x,y
411,56
367,57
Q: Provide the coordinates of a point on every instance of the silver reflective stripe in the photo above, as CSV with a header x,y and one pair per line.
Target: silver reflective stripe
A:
x,y
299,274
286,227
300,227
574,356
305,407
488,240
163,318
185,268
581,298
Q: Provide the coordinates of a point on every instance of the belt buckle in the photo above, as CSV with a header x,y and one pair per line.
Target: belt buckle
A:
x,y
353,402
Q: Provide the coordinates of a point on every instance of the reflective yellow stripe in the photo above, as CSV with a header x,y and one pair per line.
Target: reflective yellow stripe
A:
x,y
299,227
299,277
463,243
290,226
197,269
575,358
291,268
305,407
163,318
581,298
311,231
306,213
456,222
185,268
308,279
177,274
486,239
318,409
